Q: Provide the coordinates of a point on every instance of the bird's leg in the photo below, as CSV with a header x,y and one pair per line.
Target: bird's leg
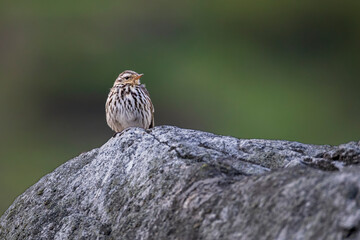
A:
x,y
120,133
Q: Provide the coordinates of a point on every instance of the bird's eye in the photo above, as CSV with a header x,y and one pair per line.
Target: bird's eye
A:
x,y
127,77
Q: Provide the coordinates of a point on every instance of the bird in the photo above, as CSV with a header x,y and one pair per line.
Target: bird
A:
x,y
128,103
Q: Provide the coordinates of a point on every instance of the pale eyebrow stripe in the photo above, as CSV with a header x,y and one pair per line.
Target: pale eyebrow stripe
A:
x,y
126,75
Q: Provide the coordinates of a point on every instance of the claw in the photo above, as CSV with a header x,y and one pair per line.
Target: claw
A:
x,y
120,133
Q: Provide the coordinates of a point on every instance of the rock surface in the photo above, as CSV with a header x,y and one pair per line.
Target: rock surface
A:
x,y
172,183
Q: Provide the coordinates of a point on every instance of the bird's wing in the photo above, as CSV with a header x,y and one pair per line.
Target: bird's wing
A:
x,y
152,124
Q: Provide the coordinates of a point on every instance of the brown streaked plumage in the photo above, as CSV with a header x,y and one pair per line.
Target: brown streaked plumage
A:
x,y
129,104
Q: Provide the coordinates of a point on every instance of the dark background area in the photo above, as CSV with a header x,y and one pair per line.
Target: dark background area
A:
x,y
264,69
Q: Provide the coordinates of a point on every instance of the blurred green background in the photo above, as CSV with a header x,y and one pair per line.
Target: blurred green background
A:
x,y
251,69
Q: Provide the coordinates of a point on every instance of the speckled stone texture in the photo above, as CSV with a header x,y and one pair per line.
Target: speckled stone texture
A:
x,y
172,183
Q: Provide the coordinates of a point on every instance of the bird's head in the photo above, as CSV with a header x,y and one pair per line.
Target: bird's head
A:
x,y
128,76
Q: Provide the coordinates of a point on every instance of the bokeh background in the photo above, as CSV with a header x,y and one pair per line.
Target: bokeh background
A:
x,y
250,69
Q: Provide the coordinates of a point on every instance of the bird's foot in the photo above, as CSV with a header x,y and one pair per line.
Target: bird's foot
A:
x,y
120,133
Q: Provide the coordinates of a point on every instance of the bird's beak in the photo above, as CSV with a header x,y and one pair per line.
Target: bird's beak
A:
x,y
138,76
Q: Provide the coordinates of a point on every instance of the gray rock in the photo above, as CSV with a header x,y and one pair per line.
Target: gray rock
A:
x,y
172,183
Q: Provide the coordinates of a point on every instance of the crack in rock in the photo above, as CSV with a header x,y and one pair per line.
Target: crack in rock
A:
x,y
173,183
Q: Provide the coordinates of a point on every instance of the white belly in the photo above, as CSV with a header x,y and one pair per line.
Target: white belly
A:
x,y
128,113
